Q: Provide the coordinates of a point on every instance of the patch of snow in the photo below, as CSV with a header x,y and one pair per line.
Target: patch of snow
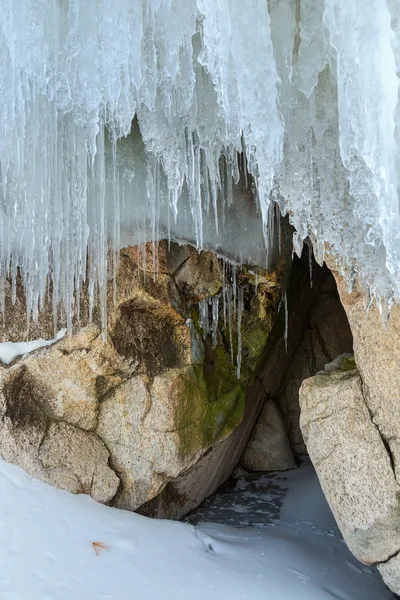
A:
x,y
9,351
47,551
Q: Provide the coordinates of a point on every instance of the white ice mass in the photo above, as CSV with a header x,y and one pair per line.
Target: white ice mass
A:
x,y
132,120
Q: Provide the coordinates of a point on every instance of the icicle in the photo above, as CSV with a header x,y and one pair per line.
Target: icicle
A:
x,y
310,262
93,91
286,320
224,292
230,320
215,319
204,317
234,289
239,330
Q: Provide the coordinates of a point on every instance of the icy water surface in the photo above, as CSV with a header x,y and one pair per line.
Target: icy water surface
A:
x,y
290,506
251,501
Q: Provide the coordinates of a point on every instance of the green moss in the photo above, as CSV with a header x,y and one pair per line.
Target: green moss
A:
x,y
211,398
255,335
223,415
348,364
190,397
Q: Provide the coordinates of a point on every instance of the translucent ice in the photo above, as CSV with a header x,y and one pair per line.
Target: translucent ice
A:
x,y
124,122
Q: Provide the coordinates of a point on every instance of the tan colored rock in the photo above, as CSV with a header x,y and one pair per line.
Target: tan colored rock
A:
x,y
269,448
157,430
22,421
121,426
78,460
377,354
57,453
153,338
199,274
351,461
70,378
390,572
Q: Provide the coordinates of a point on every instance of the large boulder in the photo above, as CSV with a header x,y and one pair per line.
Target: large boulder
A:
x,y
269,447
118,418
353,463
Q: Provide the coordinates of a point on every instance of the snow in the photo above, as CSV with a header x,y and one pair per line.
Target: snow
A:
x,y
9,351
47,552
130,121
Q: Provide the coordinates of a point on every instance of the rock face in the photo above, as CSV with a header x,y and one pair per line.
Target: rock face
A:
x,y
120,418
269,448
377,354
58,453
353,464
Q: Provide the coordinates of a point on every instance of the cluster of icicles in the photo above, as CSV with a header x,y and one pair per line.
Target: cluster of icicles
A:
x,y
304,92
232,300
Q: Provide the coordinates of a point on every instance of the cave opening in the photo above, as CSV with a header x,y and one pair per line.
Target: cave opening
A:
x,y
310,333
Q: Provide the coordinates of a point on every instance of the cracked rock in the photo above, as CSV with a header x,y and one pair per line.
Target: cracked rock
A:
x,y
77,460
351,461
57,453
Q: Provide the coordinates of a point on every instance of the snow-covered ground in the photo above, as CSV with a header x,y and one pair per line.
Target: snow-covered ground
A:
x,y
47,550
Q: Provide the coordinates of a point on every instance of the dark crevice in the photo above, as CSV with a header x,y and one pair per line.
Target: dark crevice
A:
x,y
383,562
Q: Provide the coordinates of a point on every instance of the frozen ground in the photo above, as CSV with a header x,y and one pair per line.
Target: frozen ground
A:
x,y
47,550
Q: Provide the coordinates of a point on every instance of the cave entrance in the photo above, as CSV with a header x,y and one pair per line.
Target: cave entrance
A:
x,y
318,331
311,333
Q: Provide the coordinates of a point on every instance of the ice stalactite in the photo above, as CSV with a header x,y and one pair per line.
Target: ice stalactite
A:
x,y
224,311
131,121
284,303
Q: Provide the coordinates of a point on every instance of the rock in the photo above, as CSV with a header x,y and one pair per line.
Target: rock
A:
x,y
121,426
70,378
377,354
120,418
57,453
157,429
199,274
77,460
390,572
22,421
269,448
352,461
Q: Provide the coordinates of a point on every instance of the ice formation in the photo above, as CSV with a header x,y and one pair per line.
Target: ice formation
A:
x,y
139,119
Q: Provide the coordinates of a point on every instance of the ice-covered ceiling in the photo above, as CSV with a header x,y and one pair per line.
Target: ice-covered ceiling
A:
x,y
302,94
